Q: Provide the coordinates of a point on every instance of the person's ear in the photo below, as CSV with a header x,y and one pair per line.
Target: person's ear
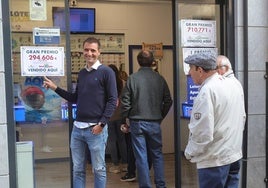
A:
x,y
200,69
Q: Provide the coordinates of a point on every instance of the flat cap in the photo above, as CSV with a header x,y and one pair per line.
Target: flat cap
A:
x,y
205,60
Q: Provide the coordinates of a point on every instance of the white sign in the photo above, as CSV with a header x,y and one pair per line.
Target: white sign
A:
x,y
46,36
38,10
42,61
198,33
190,51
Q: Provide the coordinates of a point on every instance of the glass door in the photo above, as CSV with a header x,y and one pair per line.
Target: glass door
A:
x,y
198,28
39,49
190,17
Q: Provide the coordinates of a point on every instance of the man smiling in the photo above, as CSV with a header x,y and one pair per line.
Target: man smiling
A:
x,y
96,97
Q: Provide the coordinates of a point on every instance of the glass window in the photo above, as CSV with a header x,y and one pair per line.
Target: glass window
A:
x,y
199,24
41,116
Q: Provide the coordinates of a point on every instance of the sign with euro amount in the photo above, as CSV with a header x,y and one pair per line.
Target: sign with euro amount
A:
x,y
191,51
198,33
42,61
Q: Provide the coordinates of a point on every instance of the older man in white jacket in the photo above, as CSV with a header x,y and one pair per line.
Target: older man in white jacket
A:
x,y
216,125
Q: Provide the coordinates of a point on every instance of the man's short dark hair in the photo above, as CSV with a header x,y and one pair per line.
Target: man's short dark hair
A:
x,y
92,40
145,58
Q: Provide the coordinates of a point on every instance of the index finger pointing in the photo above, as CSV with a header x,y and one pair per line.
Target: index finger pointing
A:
x,y
45,78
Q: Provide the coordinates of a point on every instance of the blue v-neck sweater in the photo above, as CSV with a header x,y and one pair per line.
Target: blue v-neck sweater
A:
x,y
95,95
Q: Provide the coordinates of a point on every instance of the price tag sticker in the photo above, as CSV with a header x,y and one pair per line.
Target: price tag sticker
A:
x,y
42,61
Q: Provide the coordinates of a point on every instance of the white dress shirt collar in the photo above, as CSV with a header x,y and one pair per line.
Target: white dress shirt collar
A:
x,y
94,66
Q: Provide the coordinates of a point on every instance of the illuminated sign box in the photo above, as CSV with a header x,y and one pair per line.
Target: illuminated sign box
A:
x,y
20,113
186,110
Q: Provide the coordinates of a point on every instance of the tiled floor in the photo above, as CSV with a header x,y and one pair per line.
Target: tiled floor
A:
x,y
57,175
51,141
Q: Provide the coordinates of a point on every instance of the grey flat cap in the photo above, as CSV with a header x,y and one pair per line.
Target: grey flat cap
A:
x,y
205,60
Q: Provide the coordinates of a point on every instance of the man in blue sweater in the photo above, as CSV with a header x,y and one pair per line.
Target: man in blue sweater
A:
x,y
95,97
146,101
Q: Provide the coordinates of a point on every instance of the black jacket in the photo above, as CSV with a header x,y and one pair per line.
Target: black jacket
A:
x,y
146,96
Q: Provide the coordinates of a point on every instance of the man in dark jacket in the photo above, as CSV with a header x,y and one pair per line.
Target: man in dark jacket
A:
x,y
146,100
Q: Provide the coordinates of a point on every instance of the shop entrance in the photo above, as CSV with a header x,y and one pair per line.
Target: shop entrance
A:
x,y
41,116
44,118
200,26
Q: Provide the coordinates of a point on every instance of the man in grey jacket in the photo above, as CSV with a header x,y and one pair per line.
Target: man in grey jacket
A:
x,y
146,100
216,125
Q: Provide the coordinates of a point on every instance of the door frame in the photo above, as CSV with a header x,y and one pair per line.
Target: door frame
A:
x,y
227,46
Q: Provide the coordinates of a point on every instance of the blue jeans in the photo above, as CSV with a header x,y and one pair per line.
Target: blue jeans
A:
x,y
131,167
149,132
226,176
80,139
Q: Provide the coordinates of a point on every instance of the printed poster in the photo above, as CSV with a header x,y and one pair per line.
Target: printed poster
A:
x,y
38,10
198,33
42,61
39,105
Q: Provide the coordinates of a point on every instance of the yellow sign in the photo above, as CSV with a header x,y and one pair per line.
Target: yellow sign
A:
x,y
157,49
